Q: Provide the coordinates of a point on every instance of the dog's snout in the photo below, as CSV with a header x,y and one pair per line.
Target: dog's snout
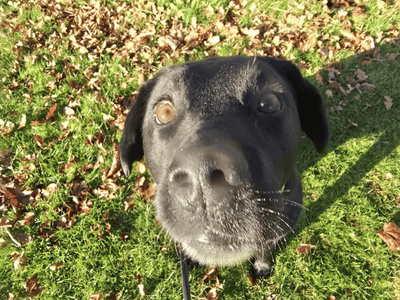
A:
x,y
217,177
228,177
199,171
182,186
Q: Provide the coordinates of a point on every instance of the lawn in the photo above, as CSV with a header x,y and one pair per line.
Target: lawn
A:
x,y
73,227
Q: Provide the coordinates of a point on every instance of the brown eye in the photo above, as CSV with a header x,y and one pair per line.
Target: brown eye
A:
x,y
269,103
165,113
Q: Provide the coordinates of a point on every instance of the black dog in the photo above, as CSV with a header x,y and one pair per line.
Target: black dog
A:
x,y
221,137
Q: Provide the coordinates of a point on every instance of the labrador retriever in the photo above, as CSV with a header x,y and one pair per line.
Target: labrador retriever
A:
x,y
221,137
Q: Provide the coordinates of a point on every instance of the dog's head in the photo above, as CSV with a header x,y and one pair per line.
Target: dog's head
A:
x,y
221,137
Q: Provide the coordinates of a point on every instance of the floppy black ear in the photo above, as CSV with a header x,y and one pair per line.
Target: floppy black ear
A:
x,y
131,142
310,105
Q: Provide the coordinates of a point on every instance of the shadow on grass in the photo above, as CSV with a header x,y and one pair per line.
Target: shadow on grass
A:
x,y
365,164
382,121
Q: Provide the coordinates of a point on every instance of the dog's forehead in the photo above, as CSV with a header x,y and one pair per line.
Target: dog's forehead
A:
x,y
217,82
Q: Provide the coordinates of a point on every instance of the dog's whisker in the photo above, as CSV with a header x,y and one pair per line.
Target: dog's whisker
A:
x,y
272,192
294,203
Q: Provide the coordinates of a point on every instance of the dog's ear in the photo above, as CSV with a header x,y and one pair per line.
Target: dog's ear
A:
x,y
310,105
131,142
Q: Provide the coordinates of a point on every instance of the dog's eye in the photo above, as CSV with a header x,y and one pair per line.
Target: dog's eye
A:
x,y
165,113
269,103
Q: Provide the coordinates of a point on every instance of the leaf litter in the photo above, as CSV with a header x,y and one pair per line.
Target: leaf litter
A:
x,y
80,30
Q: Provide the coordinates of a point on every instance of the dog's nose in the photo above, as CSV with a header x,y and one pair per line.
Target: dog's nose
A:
x,y
205,174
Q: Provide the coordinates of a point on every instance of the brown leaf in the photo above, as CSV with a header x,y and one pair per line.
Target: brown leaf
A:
x,y
348,34
329,93
6,222
95,296
114,296
5,154
305,248
357,97
168,41
342,14
31,283
350,79
56,266
392,56
37,122
311,42
51,84
388,102
24,238
27,220
212,294
116,163
361,75
23,122
391,236
352,123
141,168
319,79
367,87
210,273
252,32
51,112
11,197
253,281
377,52
39,140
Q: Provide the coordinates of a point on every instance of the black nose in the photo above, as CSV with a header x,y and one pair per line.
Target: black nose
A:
x,y
202,175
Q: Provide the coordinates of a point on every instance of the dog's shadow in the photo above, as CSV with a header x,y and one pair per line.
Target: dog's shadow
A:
x,y
352,121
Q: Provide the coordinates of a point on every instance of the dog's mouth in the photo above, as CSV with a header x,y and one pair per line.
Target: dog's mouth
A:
x,y
215,248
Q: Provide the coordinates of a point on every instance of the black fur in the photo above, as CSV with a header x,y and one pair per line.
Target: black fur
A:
x,y
221,164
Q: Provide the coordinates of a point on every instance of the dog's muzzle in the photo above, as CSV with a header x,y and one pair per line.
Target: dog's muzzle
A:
x,y
210,172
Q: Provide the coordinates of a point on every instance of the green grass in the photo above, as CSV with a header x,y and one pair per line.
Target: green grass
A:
x,y
350,191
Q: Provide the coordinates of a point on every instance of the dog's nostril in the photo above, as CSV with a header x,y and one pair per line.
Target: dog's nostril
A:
x,y
181,179
217,177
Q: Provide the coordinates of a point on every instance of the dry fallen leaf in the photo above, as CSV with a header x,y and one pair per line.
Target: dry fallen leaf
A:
x,y
361,75
377,52
305,248
116,163
391,236
55,266
319,79
23,122
39,140
329,93
142,291
68,111
95,296
27,220
357,97
350,79
141,168
352,123
51,112
392,56
6,222
212,294
31,286
388,102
